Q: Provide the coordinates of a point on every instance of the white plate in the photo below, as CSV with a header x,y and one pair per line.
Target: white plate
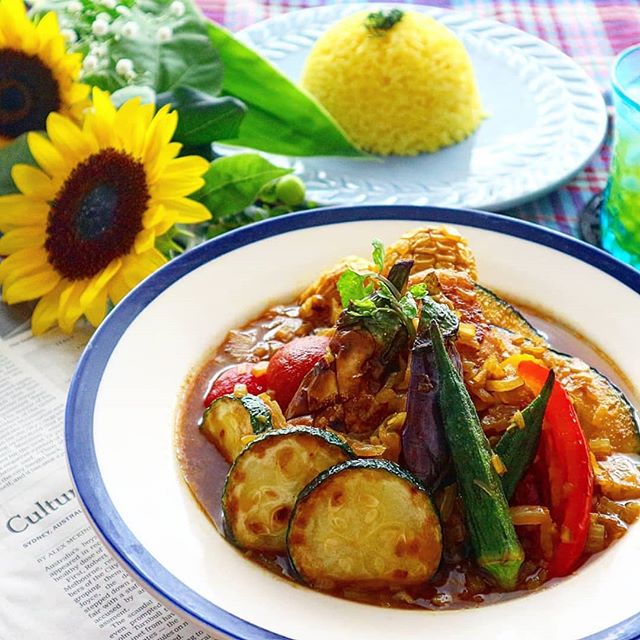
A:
x,y
120,422
547,119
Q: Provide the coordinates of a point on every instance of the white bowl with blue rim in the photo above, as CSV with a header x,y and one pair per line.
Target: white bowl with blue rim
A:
x,y
121,417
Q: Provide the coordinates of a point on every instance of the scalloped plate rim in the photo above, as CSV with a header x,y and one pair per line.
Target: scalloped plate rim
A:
x,y
496,203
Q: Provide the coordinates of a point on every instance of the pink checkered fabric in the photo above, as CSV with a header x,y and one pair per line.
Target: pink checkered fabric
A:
x,y
591,32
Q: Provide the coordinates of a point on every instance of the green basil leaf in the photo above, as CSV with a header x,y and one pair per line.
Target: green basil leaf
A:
x,y
14,153
365,304
233,183
351,287
408,306
378,254
281,118
418,290
202,119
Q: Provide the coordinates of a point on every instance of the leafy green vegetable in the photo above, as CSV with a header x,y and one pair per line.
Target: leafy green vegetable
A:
x,y
233,183
378,254
408,306
203,118
418,290
14,153
379,22
352,288
281,119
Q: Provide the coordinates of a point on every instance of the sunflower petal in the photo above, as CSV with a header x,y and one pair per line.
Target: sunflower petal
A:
x,y
33,182
99,283
131,122
164,225
188,165
46,155
22,262
97,310
137,268
156,167
21,238
51,40
153,215
69,307
118,287
177,186
45,314
68,138
16,211
31,286
145,240
186,210
159,134
103,106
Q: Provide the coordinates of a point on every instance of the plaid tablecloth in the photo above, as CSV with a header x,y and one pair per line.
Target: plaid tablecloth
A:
x,y
591,32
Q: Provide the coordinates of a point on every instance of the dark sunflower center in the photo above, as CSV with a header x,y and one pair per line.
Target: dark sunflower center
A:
x,y
28,93
97,211
97,214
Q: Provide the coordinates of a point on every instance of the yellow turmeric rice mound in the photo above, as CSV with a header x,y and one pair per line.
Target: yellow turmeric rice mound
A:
x,y
397,82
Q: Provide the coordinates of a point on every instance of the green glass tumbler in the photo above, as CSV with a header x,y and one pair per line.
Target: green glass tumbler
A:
x,y
621,208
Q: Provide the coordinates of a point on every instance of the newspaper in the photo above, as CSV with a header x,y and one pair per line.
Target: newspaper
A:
x,y
57,580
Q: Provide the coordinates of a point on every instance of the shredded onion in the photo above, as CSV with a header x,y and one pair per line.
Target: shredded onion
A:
x,y
535,515
506,384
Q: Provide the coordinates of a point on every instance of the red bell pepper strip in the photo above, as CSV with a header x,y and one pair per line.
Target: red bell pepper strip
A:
x,y
570,476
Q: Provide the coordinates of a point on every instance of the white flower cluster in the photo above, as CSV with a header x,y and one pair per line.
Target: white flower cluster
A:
x,y
104,29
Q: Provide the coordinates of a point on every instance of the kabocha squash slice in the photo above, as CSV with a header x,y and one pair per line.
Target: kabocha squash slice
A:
x,y
603,409
230,418
364,524
266,478
502,314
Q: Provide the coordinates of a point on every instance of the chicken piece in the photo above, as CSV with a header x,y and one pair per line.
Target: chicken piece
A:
x,y
320,302
345,390
433,248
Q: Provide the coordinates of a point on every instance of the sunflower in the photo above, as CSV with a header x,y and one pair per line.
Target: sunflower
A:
x,y
82,231
37,75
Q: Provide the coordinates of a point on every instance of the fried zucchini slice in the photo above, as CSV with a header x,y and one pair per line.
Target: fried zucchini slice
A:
x,y
364,524
229,418
266,478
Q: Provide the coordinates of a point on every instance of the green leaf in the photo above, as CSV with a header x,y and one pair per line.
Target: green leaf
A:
x,y
351,287
282,118
187,58
408,306
15,153
378,254
233,183
418,290
202,119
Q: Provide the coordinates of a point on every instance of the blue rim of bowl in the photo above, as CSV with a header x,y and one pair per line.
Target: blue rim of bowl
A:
x,y
86,381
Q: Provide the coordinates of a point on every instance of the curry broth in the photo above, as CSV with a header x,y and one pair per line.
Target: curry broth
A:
x,y
458,583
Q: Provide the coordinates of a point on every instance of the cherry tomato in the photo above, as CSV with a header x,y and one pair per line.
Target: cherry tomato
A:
x,y
289,365
228,379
